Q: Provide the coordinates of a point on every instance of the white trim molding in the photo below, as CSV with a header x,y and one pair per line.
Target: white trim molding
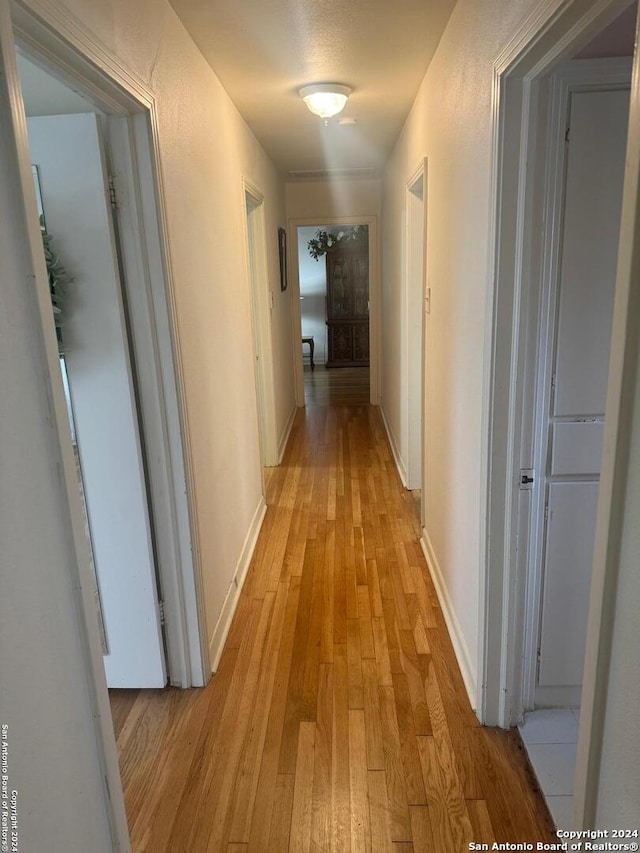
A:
x,y
393,444
220,632
260,296
286,432
415,334
453,625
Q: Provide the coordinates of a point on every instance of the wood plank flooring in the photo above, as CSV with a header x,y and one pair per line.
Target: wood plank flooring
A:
x,y
336,385
338,720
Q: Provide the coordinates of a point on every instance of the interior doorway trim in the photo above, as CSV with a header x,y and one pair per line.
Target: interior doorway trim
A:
x,y
374,298
258,283
61,44
555,30
415,307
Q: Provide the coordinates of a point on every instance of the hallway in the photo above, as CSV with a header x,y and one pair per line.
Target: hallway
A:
x,y
338,719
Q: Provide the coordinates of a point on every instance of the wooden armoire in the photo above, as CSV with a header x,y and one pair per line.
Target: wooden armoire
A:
x,y
348,305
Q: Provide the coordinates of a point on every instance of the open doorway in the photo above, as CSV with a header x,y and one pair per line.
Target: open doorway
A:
x,y
95,183
564,135
85,266
333,272
584,156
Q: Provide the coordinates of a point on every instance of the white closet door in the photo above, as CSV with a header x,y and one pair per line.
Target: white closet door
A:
x,y
593,198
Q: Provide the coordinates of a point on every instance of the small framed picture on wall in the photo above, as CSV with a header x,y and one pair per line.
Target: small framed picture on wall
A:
x,y
282,251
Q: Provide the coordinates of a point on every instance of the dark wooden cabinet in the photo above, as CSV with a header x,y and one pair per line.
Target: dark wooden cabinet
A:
x,y
348,306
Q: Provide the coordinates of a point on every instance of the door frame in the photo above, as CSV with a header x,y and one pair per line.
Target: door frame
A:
x,y
374,298
550,34
415,296
65,48
261,305
585,75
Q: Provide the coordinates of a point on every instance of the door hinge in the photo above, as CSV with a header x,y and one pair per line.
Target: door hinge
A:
x,y
546,512
538,665
113,199
526,479
567,135
161,611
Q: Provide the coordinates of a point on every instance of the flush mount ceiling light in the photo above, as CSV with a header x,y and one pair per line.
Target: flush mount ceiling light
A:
x,y
325,99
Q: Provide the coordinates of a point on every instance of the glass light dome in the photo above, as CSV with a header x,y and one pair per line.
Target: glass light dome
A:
x,y
325,99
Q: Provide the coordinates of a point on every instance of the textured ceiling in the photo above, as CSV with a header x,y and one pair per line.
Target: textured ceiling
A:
x,y
264,51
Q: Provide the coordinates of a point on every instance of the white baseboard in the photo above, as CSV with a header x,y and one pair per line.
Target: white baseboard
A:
x,y
282,444
402,468
455,631
219,636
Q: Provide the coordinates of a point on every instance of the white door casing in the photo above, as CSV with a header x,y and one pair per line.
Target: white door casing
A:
x,y
261,307
415,325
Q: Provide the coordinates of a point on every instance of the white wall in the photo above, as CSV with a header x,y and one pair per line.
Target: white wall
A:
x,y
449,123
318,200
313,292
206,149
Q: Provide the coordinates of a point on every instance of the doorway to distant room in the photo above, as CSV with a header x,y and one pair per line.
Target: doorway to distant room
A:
x,y
96,194
333,271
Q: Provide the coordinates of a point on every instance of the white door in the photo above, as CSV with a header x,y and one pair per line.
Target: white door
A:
x,y
593,197
68,152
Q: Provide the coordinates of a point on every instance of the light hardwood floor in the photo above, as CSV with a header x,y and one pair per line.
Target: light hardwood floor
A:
x,y
337,386
338,720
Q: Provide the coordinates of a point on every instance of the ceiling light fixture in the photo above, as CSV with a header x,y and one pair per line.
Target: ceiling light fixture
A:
x,y
325,99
